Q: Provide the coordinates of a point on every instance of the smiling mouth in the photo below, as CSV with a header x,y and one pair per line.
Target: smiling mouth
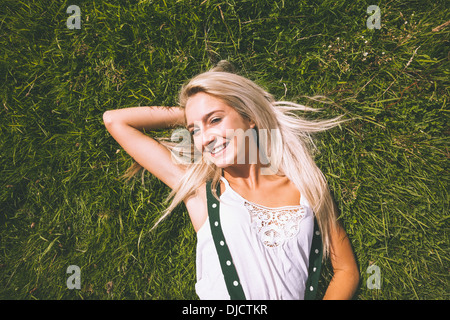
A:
x,y
219,149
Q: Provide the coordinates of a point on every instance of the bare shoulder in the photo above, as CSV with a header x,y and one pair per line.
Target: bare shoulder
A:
x,y
197,207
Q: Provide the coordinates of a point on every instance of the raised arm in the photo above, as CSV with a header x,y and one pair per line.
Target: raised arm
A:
x,y
127,125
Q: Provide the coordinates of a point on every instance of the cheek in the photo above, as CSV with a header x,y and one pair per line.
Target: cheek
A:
x,y
197,144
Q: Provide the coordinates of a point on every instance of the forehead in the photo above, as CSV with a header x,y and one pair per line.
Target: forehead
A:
x,y
202,103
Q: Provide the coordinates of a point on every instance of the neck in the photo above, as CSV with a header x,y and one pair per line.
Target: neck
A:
x,y
248,174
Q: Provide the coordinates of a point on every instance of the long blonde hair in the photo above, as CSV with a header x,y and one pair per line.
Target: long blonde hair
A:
x,y
290,153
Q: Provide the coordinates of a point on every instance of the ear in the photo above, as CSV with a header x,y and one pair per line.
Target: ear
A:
x,y
251,123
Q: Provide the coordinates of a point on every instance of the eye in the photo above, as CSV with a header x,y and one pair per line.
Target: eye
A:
x,y
214,120
194,131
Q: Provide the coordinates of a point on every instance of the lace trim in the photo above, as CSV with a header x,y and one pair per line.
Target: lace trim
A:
x,y
275,225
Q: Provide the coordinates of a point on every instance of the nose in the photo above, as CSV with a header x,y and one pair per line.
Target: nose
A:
x,y
208,141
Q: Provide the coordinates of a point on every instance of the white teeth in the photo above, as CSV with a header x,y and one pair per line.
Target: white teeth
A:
x,y
216,150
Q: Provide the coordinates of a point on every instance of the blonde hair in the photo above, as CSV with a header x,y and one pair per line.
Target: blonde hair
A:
x,y
290,153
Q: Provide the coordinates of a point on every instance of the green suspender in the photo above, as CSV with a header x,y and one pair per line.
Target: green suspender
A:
x,y
226,262
315,263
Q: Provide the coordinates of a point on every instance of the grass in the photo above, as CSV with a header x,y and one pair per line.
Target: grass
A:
x,y
62,202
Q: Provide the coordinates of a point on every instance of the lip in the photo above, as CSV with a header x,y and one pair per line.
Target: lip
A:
x,y
224,144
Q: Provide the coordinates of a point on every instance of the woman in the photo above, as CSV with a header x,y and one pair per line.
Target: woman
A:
x,y
268,198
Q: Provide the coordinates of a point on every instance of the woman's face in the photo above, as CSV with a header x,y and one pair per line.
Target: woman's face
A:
x,y
214,127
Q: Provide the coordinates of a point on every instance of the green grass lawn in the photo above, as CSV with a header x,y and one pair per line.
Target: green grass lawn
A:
x,y
62,201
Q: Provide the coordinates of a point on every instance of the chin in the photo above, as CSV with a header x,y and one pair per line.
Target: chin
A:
x,y
220,162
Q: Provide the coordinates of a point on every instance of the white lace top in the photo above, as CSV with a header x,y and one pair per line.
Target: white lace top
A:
x,y
269,246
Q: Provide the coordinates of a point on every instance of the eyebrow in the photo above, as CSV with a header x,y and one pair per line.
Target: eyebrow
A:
x,y
206,116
